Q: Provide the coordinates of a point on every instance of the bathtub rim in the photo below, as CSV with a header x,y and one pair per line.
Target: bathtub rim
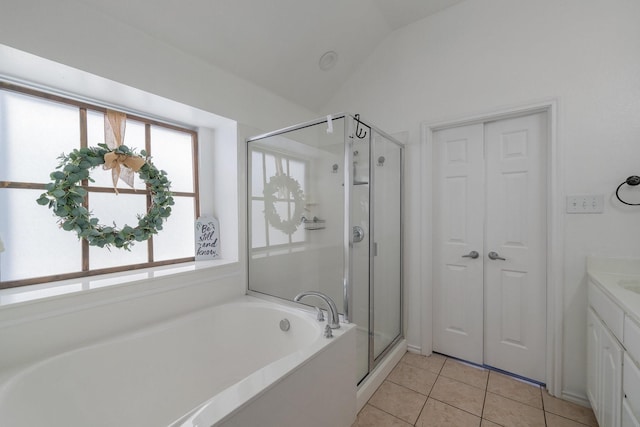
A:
x,y
10,376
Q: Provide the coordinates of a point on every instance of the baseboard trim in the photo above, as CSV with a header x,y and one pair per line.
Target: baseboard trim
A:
x,y
414,349
575,398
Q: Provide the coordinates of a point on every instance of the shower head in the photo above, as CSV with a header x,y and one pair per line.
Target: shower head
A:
x,y
381,160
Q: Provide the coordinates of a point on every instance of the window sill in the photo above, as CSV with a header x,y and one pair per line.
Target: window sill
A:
x,y
48,290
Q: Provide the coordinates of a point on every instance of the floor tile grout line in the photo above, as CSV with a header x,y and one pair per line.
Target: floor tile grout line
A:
x,y
453,406
422,409
484,400
408,388
543,410
386,412
405,387
566,418
517,401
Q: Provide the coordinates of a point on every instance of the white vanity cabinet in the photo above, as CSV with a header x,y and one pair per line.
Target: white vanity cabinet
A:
x,y
631,393
613,349
604,378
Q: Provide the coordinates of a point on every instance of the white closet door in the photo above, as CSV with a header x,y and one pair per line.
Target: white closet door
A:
x,y
459,218
489,197
515,288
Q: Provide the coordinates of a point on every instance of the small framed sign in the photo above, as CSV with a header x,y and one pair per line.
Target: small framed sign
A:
x,y
207,238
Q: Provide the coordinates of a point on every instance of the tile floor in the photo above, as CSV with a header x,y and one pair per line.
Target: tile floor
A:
x,y
439,391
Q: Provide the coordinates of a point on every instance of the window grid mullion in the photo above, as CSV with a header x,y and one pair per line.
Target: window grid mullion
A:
x,y
264,185
147,147
86,263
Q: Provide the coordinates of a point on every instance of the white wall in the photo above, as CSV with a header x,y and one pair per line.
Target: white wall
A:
x,y
482,55
72,33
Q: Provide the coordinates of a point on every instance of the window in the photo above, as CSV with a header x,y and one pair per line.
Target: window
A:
x,y
264,166
35,128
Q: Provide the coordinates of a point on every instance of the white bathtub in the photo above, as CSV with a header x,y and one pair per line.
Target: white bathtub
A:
x,y
229,365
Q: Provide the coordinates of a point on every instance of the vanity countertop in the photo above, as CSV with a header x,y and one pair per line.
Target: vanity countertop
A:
x,y
619,278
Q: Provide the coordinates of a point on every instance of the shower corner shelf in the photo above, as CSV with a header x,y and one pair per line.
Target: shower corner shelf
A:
x,y
314,224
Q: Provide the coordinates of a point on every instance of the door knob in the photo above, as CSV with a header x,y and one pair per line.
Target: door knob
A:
x,y
472,254
495,255
358,234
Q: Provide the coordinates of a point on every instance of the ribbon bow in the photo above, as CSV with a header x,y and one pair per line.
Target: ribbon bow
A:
x,y
123,166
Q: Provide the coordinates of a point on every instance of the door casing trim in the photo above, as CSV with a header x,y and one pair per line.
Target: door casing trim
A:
x,y
555,228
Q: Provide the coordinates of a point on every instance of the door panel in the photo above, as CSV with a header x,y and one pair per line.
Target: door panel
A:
x,y
593,358
457,279
515,333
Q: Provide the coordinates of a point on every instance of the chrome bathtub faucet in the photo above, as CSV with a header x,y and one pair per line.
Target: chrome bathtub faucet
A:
x,y
334,318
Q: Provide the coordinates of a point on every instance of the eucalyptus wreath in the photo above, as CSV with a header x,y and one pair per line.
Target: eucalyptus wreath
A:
x,y
276,184
65,195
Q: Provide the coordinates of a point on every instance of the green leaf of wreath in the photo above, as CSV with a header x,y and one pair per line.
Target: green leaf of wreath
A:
x,y
65,196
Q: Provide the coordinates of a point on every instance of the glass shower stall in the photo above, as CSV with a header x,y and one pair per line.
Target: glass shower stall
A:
x,y
325,214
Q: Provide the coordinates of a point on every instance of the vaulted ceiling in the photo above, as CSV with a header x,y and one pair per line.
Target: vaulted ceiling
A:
x,y
276,44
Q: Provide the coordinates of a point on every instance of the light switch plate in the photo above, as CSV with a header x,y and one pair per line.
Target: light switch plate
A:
x,y
591,203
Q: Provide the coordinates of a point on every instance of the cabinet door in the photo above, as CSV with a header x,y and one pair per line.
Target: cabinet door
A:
x,y
610,378
593,359
631,384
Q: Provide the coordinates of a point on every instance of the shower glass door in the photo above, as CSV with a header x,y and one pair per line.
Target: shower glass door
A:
x,y
386,245
296,212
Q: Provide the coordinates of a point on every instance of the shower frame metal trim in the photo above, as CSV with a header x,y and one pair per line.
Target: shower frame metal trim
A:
x,y
373,360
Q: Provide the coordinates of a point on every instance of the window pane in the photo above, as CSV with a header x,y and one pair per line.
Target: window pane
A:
x,y
122,209
300,234
33,133
176,239
278,237
117,257
34,243
269,166
172,151
258,230
134,135
297,172
95,128
257,177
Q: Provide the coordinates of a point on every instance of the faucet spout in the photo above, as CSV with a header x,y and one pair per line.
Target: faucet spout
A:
x,y
334,317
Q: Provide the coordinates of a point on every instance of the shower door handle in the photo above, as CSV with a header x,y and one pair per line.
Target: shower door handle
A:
x,y
495,255
472,255
358,234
